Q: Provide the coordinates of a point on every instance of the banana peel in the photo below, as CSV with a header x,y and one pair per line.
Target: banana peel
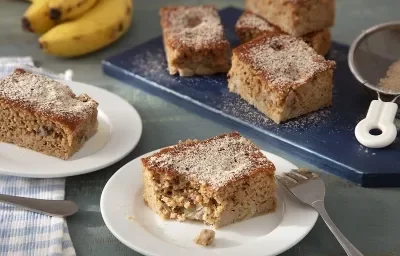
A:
x,y
61,10
100,26
36,18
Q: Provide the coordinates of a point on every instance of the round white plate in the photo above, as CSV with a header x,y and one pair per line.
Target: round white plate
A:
x,y
135,225
120,128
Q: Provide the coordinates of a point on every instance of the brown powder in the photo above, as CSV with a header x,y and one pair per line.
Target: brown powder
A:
x,y
214,162
41,94
391,83
195,26
285,62
252,21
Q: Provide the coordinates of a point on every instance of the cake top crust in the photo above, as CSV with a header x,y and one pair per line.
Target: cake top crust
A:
x,y
215,162
44,96
249,20
283,61
192,27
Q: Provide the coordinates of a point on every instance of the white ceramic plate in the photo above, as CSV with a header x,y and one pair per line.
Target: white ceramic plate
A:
x,y
120,128
135,225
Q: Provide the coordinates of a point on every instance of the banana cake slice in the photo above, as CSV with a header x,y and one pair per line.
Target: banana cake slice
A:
x,y
295,17
281,76
219,181
251,25
194,40
44,115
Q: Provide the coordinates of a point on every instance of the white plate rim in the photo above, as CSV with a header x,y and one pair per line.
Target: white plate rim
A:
x,y
184,251
116,148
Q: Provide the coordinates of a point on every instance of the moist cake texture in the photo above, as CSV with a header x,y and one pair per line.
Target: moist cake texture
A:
x,y
250,26
295,17
281,76
219,181
194,40
44,115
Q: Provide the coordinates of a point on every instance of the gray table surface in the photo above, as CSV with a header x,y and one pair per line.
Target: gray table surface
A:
x,y
368,217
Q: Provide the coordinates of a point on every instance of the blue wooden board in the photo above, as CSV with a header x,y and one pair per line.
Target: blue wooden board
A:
x,y
324,138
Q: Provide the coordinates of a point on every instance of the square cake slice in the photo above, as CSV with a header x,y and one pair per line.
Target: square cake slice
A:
x,y
194,40
281,76
250,26
44,115
295,17
219,181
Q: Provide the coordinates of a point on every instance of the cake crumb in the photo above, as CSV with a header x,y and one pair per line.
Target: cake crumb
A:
x,y
391,83
131,218
205,238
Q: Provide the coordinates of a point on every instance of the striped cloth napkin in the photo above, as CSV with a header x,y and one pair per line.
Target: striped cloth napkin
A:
x,y
23,232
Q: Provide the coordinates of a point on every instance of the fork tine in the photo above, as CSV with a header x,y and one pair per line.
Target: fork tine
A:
x,y
286,180
306,172
296,176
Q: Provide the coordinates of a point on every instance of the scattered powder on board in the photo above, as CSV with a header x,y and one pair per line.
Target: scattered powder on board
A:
x,y
152,65
239,108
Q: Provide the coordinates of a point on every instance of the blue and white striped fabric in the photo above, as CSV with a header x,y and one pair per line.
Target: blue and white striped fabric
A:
x,y
23,232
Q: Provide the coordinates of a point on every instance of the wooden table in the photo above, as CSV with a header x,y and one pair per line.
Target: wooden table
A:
x,y
368,217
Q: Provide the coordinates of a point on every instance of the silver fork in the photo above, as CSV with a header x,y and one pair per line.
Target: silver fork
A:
x,y
310,189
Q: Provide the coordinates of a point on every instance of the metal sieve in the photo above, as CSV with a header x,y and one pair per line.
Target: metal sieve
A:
x,y
370,56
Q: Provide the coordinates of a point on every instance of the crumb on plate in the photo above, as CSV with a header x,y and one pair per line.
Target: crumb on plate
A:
x,y
205,238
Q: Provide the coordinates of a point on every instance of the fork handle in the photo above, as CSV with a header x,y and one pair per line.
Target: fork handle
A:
x,y
347,246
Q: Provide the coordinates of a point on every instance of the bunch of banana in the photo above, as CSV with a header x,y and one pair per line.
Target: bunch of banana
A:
x,y
70,28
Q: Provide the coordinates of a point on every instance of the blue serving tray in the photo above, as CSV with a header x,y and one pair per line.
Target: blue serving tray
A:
x,y
324,138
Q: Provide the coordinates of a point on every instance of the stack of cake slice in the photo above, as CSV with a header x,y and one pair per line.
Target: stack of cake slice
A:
x,y
281,76
280,68
308,19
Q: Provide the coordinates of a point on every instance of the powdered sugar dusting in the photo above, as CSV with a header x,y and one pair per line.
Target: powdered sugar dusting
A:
x,y
391,83
194,26
214,162
285,61
250,20
44,95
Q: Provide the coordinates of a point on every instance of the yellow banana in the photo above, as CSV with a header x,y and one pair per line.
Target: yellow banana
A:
x,y
36,18
100,26
61,10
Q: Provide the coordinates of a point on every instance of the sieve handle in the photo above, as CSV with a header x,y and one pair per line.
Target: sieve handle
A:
x,y
380,116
